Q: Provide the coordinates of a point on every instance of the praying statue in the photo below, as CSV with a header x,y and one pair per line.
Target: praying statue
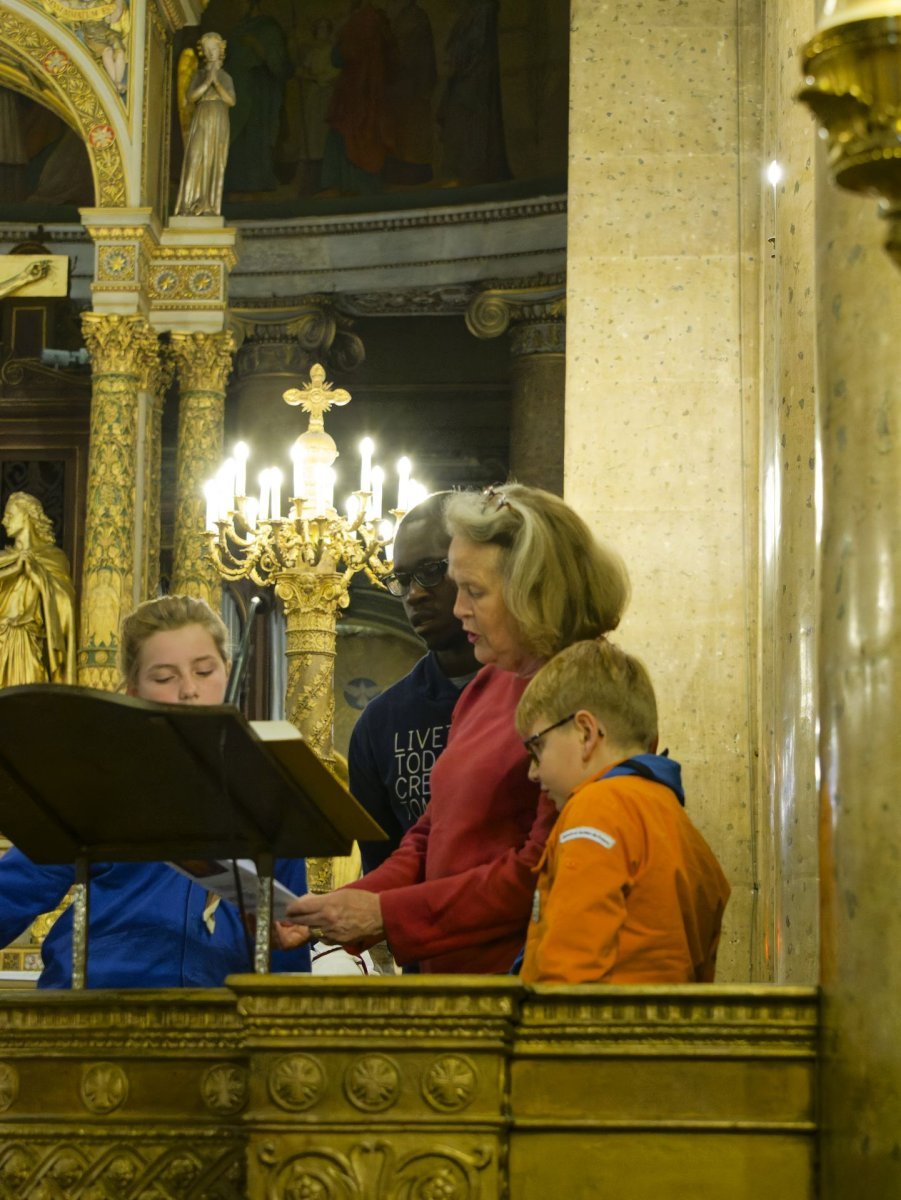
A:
x,y
37,600
210,94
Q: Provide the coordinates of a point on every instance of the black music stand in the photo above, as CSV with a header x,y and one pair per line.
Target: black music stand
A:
x,y
87,776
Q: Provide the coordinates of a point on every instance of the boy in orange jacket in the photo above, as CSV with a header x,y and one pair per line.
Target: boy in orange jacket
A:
x,y
628,890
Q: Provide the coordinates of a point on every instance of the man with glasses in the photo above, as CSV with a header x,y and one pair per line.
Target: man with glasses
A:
x,y
402,731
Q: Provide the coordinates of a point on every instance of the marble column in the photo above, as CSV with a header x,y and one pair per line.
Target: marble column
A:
x,y
535,316
204,361
785,932
859,402
122,349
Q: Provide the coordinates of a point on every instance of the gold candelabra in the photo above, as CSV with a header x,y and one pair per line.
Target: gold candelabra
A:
x,y
310,555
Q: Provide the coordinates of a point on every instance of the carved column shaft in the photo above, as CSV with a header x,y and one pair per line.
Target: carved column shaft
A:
x,y
536,318
204,361
157,385
121,348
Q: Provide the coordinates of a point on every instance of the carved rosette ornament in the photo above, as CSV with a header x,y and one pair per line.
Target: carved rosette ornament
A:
x,y
853,88
104,1088
449,1083
296,1082
121,348
204,362
224,1089
372,1082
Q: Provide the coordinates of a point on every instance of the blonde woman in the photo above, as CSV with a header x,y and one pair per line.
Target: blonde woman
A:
x,y
456,894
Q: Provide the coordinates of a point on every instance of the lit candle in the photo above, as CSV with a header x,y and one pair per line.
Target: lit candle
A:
x,y
251,509
241,453
265,489
275,477
352,507
366,448
328,487
211,492
297,459
375,505
403,479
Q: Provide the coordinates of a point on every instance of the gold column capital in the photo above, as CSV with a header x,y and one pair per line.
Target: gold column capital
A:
x,y
534,312
204,360
118,344
853,88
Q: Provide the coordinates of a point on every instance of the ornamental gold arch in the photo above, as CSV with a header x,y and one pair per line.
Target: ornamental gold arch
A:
x,y
43,68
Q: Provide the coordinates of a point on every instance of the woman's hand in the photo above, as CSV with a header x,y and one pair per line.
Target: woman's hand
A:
x,y
348,915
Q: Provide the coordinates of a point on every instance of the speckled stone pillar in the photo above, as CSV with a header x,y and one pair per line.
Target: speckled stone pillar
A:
x,y
661,379
859,304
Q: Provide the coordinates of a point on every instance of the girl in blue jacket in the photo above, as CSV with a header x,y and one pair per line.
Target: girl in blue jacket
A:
x,y
149,925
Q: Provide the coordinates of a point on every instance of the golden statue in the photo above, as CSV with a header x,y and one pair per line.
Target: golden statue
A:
x,y
208,96
37,600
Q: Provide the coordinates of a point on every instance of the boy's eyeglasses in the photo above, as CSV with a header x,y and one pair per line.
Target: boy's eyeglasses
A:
x,y
533,743
426,574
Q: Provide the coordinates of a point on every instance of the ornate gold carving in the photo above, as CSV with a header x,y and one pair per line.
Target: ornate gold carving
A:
x,y
223,1089
536,312
375,1169
449,1083
104,1087
9,1085
853,88
296,1082
101,1170
180,286
158,379
121,347
204,361
117,263
372,1082
46,61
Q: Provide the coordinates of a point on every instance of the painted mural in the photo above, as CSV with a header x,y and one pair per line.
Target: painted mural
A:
x,y
104,27
43,163
350,98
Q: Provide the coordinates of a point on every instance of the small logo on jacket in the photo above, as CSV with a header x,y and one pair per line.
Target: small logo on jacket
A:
x,y
589,834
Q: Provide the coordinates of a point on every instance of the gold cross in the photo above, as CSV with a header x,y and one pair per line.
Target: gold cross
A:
x,y
317,396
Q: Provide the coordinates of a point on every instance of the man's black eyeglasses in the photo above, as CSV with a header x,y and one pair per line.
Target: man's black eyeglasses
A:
x,y
426,574
533,743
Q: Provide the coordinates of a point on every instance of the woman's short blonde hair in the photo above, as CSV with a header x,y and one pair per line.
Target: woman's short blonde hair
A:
x,y
166,613
602,678
560,583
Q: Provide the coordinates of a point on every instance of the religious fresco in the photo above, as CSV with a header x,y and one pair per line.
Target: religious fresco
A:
x,y
43,162
104,27
349,98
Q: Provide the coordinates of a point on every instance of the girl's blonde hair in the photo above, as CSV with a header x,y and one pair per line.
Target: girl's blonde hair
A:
x,y
561,584
166,613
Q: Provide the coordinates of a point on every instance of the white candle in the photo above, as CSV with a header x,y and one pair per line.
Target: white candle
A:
x,y
211,492
251,509
352,507
366,448
403,479
265,488
297,459
328,487
275,477
241,453
375,505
